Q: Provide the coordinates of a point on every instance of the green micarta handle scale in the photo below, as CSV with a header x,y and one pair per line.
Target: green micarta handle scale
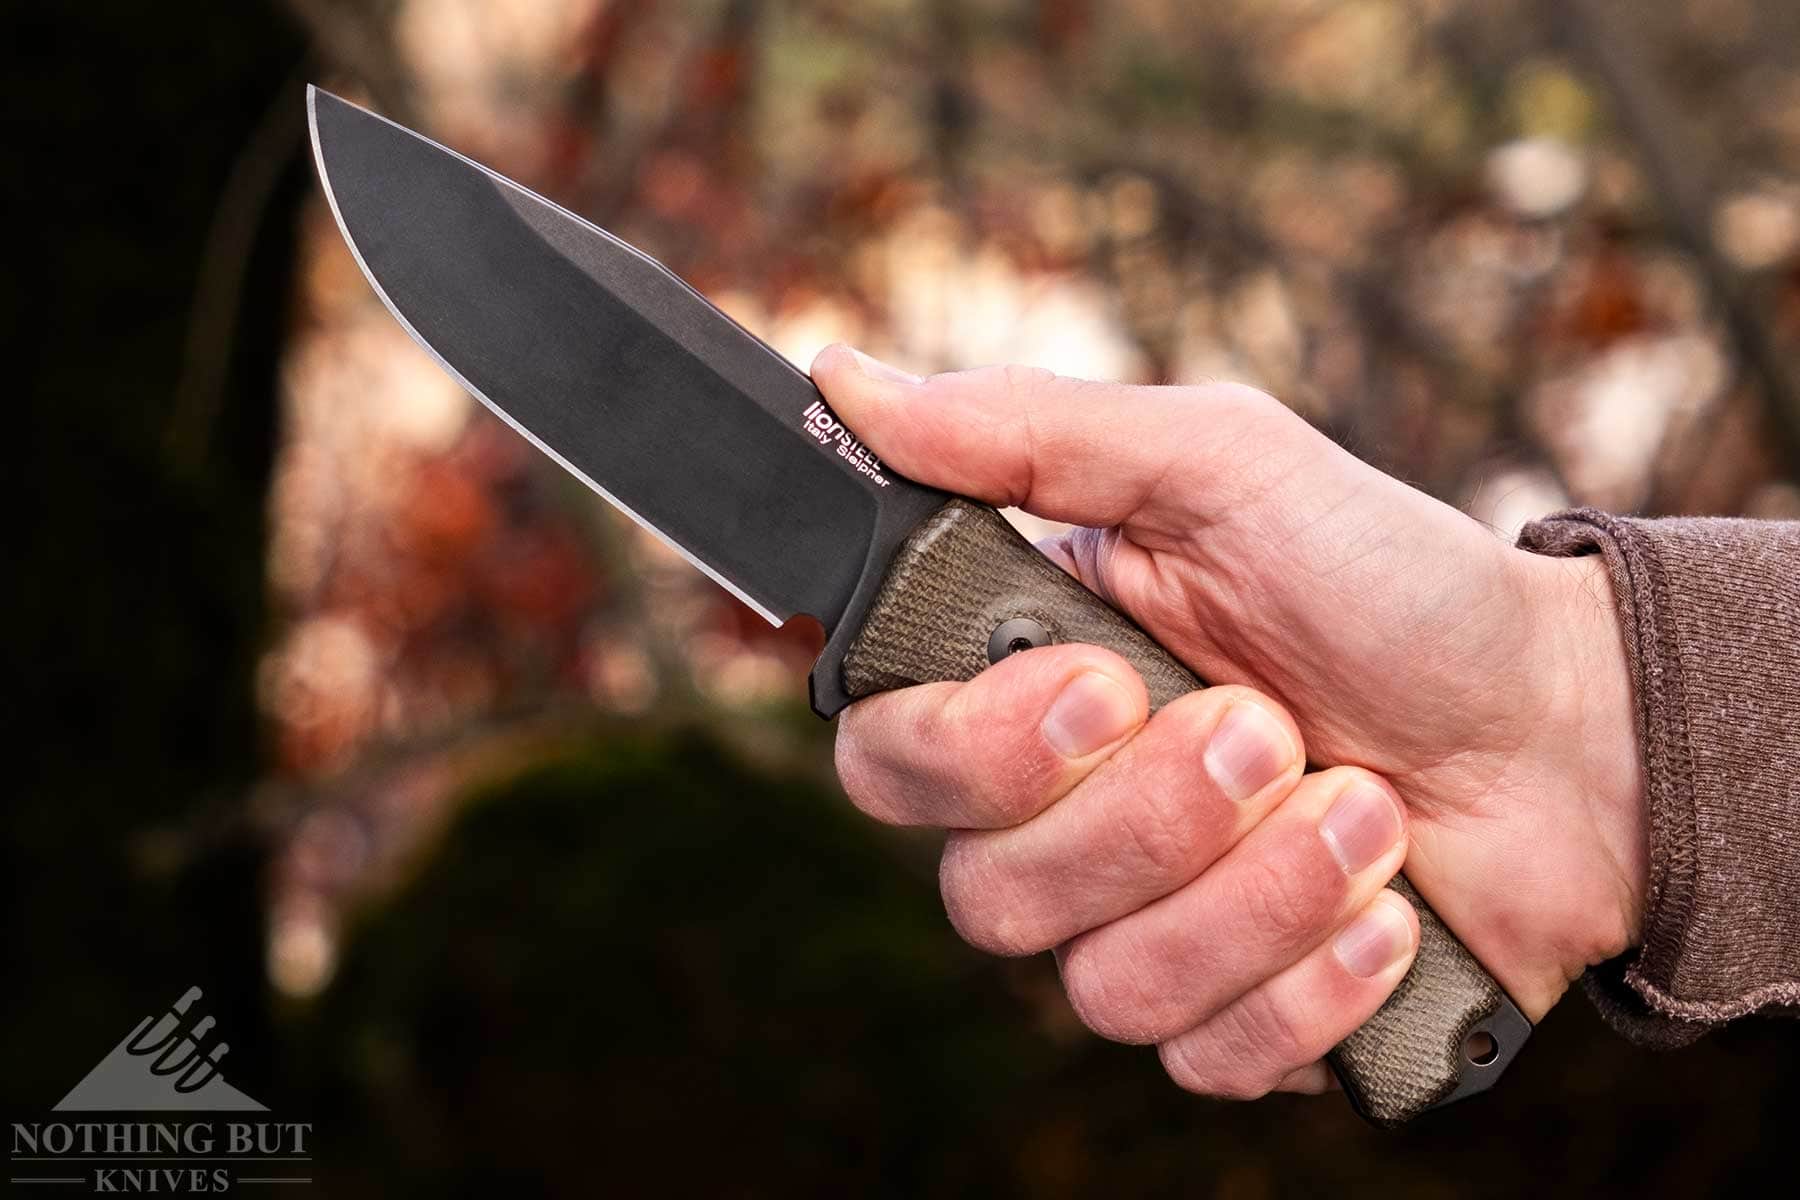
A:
x,y
965,589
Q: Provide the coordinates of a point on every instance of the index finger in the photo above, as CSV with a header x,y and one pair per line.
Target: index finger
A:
x,y
1066,449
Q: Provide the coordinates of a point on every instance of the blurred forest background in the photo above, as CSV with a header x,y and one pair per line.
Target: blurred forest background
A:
x,y
502,841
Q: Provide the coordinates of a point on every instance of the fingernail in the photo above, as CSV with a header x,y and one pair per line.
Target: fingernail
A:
x,y
1374,941
1248,751
1091,712
1361,827
874,368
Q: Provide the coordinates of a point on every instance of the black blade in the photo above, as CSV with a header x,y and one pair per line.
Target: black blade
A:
x,y
615,368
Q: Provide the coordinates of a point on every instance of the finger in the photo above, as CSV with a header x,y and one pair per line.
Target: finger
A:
x,y
1314,1079
1273,1036
1056,549
994,751
1067,449
1275,896
1149,819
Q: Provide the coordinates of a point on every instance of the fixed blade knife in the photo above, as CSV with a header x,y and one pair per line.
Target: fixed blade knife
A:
x,y
639,387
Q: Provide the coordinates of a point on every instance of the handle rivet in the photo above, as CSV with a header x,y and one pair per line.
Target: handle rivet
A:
x,y
1481,1048
1019,633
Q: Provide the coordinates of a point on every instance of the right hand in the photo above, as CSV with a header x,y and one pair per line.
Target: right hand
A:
x,y
1390,632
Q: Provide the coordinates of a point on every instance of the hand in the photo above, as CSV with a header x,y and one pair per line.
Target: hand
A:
x,y
1200,892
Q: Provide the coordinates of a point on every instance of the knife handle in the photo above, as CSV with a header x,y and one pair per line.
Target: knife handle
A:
x,y
965,590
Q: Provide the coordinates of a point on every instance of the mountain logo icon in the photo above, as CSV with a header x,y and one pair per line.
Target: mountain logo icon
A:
x,y
166,1062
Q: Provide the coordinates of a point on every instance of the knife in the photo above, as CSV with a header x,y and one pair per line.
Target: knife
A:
x,y
636,385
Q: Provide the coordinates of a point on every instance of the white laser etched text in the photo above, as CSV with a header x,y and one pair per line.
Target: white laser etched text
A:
x,y
827,430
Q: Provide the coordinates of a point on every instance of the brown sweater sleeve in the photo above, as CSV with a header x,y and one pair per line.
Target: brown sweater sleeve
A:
x,y
1710,611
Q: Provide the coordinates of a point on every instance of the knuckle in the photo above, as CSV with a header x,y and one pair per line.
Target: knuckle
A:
x,y
1247,397
992,932
1000,774
854,772
879,760
1090,990
1167,828
1006,798
1022,381
1192,1069
1268,1035
979,909
1240,401
1285,902
1103,996
1189,1070
919,765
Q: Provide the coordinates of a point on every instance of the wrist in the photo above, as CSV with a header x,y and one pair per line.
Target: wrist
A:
x,y
1593,729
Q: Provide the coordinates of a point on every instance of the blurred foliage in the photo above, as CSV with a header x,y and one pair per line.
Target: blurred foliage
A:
x,y
498,837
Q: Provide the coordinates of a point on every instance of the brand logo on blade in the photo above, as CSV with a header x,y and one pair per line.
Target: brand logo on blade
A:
x,y
827,430
166,1064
